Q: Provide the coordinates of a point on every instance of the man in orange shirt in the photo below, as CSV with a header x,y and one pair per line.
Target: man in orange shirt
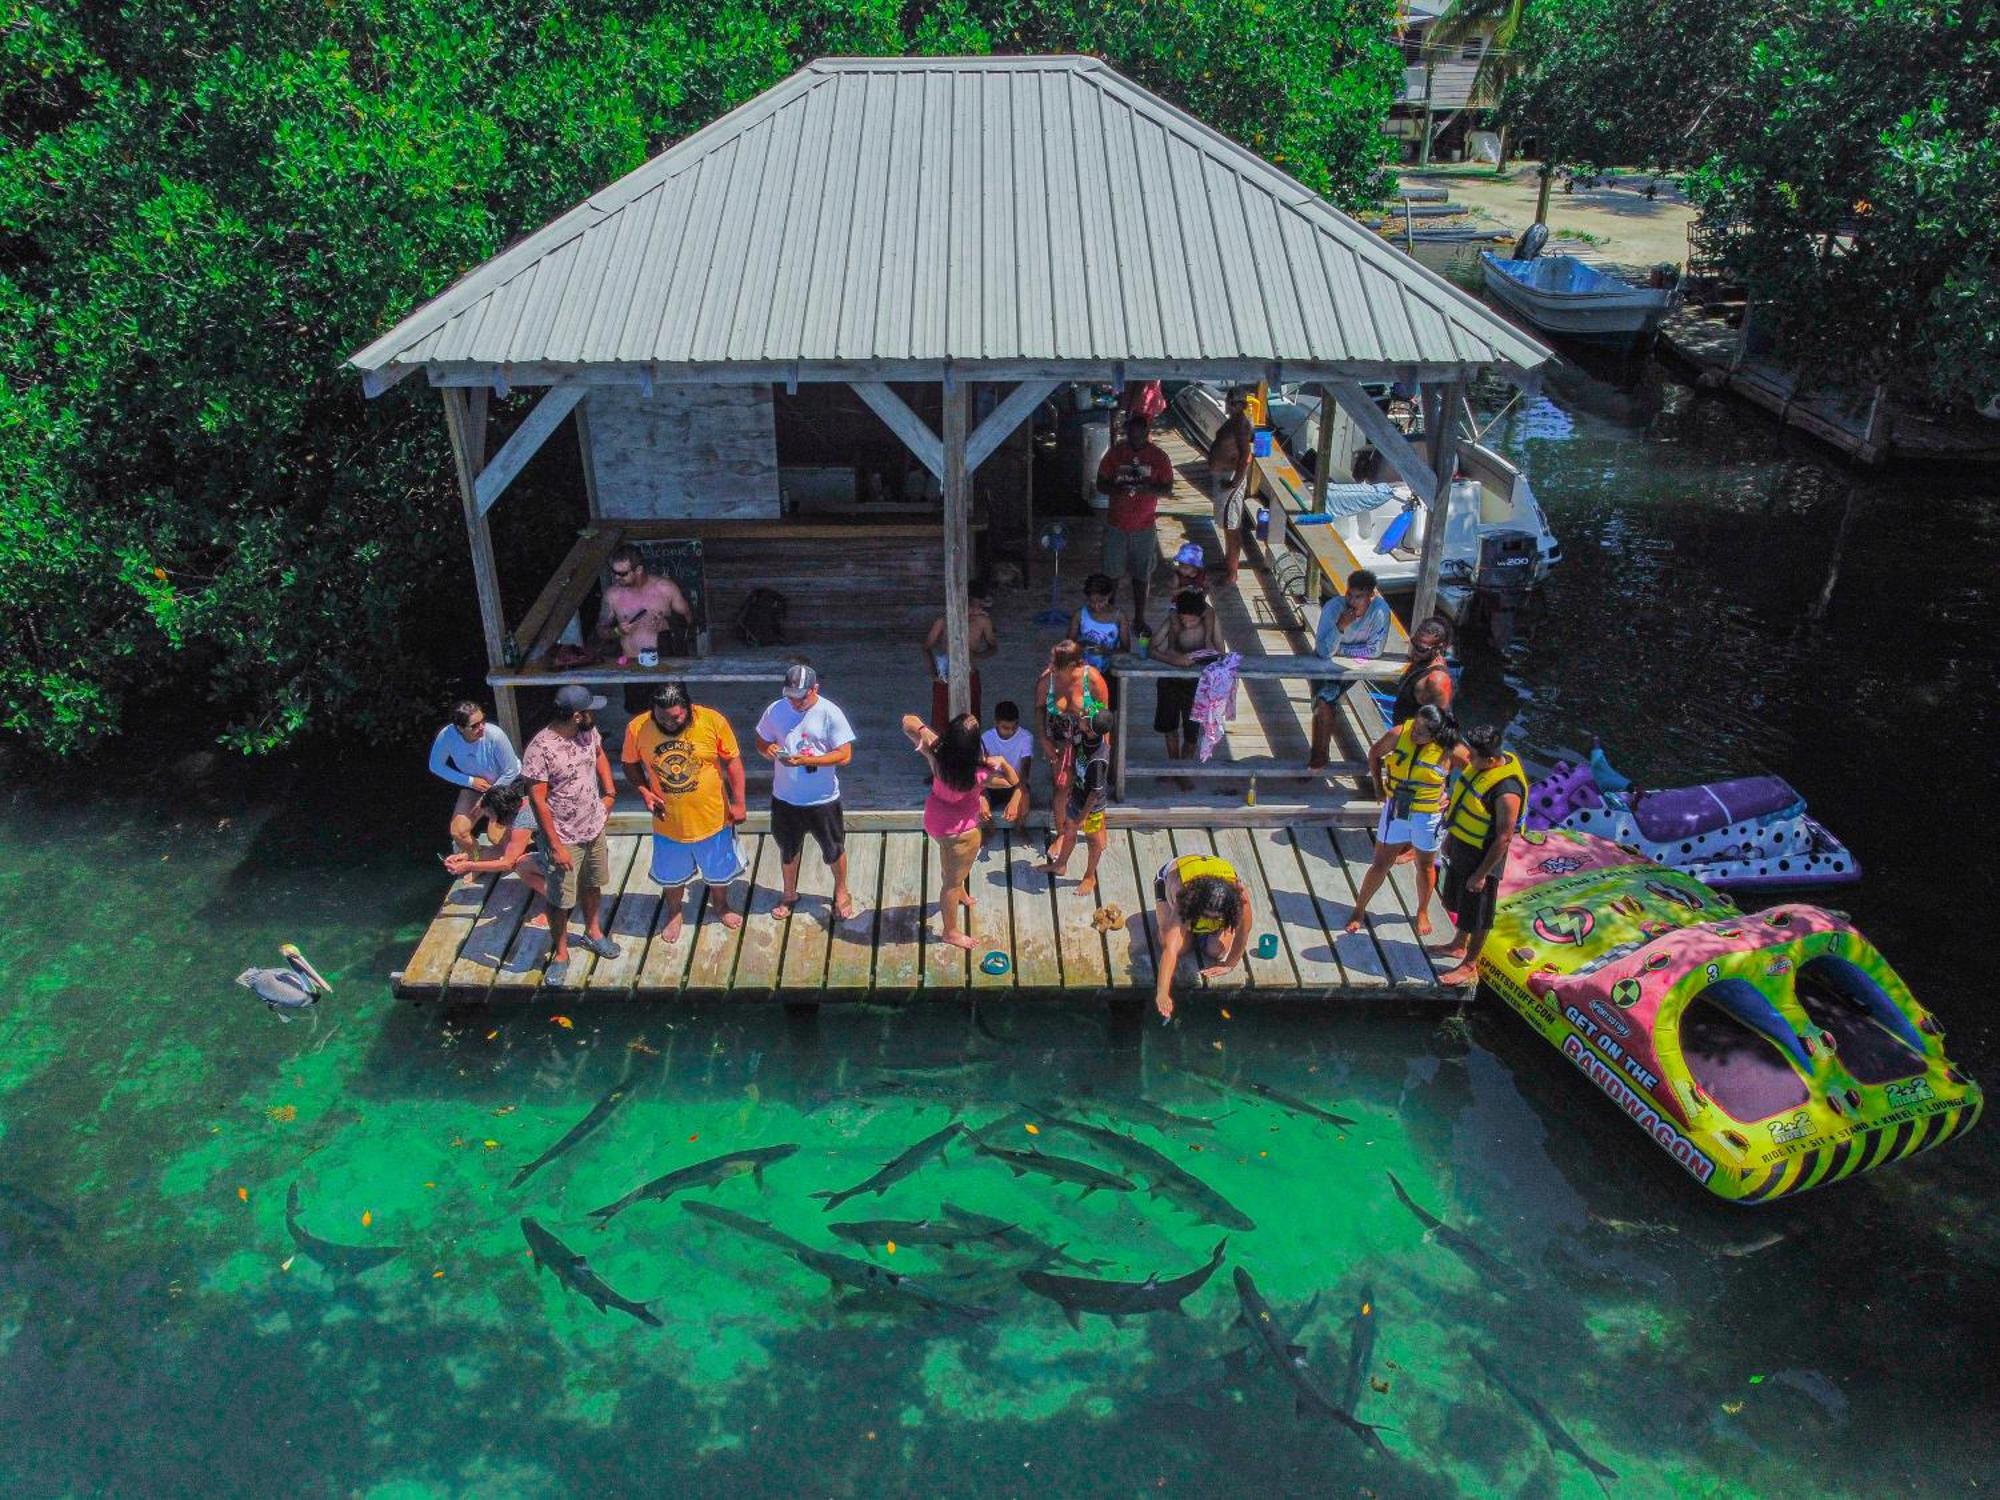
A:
x,y
683,761
1137,475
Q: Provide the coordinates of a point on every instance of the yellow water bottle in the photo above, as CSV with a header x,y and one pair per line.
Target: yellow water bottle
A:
x,y
1250,796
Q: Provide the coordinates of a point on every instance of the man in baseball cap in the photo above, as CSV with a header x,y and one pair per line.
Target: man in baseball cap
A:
x,y
806,738
570,787
683,761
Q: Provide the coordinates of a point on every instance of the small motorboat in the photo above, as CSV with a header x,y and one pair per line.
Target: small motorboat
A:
x,y
1491,512
1563,295
1745,834
1766,1054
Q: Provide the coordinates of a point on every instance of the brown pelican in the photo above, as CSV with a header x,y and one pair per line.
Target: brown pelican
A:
x,y
292,988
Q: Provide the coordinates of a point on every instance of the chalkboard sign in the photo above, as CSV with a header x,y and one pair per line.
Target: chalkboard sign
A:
x,y
679,558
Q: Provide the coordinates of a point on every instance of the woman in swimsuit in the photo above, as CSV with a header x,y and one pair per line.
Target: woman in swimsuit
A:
x,y
1202,908
1189,637
1072,722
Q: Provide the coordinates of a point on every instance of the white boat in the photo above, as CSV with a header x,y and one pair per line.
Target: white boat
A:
x,y
1563,295
1493,508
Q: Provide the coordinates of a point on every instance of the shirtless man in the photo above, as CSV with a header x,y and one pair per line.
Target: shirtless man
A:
x,y
638,606
981,640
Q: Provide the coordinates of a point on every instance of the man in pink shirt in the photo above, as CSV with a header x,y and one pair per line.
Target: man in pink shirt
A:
x,y
570,786
1137,475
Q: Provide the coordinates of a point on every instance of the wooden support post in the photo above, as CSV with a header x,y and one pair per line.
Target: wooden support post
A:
x,y
458,421
1548,175
1443,431
525,441
957,548
1329,412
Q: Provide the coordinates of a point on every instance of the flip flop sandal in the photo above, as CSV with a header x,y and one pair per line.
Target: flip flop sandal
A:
x,y
603,947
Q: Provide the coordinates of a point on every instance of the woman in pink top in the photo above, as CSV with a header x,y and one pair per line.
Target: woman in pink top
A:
x,y
956,807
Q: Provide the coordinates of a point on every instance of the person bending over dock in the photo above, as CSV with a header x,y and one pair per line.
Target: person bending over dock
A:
x,y
1202,908
1411,766
510,834
806,737
569,780
1358,630
472,755
1485,811
683,761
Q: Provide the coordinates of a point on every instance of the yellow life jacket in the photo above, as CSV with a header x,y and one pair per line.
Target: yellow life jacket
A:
x,y
1190,867
1470,819
1423,769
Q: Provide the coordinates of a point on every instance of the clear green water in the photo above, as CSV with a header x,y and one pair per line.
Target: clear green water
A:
x,y
161,1333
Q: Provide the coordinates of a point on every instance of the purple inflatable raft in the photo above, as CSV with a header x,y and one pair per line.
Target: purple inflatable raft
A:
x,y
1741,834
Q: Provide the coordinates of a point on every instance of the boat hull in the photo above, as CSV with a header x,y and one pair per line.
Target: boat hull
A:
x,y
1767,1054
1615,314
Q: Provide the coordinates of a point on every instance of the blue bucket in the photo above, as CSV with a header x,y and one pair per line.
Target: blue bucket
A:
x,y
1260,442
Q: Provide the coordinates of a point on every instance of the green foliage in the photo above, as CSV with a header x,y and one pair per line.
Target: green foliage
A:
x,y
1851,148
205,206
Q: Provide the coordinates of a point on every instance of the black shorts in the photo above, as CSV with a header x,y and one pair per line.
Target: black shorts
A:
x,y
791,823
997,797
1174,712
1471,912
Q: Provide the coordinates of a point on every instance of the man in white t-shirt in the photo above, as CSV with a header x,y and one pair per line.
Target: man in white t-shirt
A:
x,y
806,737
1015,745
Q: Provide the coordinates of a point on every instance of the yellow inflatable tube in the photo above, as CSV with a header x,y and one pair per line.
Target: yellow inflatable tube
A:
x,y
1766,1054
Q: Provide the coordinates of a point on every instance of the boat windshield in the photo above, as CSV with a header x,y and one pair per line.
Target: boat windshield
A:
x,y
1744,1071
1873,1038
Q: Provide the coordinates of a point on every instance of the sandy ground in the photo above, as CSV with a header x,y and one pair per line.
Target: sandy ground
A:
x,y
1634,231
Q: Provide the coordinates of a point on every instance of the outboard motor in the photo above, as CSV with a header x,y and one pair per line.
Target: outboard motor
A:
x,y
1529,245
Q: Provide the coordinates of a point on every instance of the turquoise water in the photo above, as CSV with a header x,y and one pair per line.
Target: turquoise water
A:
x,y
163,1332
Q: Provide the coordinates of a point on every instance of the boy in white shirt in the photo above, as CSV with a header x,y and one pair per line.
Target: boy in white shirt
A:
x,y
1015,745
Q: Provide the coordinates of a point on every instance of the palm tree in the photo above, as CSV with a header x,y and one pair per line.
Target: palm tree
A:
x,y
1495,23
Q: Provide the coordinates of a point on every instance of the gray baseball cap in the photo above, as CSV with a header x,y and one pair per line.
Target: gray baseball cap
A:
x,y
800,680
575,698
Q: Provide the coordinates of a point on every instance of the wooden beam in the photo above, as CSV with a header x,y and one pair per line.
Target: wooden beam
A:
x,y
375,382
906,424
1444,435
957,481
1323,457
480,401
525,441
586,557
1383,433
1004,418
587,453
485,572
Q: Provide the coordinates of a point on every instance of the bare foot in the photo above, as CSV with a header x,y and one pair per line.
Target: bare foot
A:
x,y
1423,924
1356,922
1465,973
671,933
959,940
731,918
1087,886
1052,870
783,909
1454,951
844,908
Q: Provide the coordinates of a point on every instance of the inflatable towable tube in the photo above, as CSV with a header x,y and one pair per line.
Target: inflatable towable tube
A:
x,y
1767,1054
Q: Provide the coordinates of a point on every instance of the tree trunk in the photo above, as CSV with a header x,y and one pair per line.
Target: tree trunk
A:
x,y
1542,194
1424,151
1500,166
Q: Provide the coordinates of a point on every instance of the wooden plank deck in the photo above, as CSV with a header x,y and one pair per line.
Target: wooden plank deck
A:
x,y
1301,878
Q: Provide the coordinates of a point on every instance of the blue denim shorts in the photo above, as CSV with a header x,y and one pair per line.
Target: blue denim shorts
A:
x,y
715,859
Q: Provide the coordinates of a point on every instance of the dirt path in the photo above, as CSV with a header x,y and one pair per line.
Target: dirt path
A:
x,y
1634,230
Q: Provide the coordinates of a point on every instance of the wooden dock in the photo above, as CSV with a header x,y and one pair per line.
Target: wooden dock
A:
x,y
480,945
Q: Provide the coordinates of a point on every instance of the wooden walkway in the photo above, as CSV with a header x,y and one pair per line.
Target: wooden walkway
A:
x,y
1302,880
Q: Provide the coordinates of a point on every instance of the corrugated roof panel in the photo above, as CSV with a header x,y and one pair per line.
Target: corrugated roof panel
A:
x,y
712,329
1097,234
659,259
932,268
977,210
749,333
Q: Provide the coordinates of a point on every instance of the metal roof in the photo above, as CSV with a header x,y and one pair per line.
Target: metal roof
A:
x,y
1000,216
